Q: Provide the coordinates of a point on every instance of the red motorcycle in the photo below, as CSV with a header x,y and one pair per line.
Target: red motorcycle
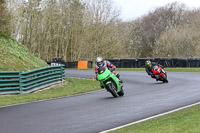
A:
x,y
159,73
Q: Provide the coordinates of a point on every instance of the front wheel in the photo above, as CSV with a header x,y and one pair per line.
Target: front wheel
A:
x,y
164,78
121,93
112,89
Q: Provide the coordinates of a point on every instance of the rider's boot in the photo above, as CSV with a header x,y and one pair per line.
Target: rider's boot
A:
x,y
118,75
120,81
101,86
157,78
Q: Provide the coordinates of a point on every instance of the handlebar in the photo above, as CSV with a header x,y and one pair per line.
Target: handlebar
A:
x,y
112,69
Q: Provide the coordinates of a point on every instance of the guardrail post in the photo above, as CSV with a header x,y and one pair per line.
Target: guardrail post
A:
x,y
20,82
62,71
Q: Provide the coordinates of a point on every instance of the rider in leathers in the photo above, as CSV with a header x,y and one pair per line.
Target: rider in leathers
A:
x,y
149,66
101,62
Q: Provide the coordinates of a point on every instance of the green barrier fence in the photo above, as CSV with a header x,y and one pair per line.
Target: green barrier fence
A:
x,y
27,82
9,82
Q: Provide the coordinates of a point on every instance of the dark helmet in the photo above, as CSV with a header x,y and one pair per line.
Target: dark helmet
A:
x,y
148,63
99,61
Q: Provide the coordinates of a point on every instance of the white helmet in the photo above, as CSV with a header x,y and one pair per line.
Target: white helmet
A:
x,y
99,61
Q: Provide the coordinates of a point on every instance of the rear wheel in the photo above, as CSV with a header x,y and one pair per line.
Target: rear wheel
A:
x,y
112,89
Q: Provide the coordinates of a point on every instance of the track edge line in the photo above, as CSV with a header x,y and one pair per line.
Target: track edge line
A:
x,y
148,118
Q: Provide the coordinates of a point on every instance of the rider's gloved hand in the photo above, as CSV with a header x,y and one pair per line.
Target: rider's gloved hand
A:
x,y
112,69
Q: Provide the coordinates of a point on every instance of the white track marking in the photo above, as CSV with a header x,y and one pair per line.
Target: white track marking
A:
x,y
150,117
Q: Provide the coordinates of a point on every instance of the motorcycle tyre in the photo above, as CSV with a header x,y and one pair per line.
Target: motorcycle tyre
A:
x,y
121,93
164,79
111,89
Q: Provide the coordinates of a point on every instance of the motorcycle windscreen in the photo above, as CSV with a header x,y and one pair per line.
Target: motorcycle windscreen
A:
x,y
155,68
103,73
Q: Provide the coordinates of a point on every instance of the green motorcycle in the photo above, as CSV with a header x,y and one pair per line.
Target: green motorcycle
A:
x,y
110,81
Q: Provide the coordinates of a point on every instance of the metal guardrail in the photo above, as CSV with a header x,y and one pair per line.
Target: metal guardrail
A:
x,y
26,82
9,82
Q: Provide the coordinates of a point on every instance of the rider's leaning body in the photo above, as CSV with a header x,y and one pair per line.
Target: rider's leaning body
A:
x,y
105,63
149,66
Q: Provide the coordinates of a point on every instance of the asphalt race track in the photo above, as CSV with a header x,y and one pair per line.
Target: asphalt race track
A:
x,y
99,111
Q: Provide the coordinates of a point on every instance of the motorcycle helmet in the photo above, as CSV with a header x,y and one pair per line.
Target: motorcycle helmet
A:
x,y
148,63
99,61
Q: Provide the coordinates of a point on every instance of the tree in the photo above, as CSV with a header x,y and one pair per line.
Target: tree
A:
x,y
4,17
103,28
149,28
182,41
76,30
1,12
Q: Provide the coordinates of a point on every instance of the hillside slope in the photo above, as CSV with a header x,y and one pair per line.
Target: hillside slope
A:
x,y
15,57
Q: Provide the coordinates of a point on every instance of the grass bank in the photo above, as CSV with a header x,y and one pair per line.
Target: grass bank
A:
x,y
183,121
16,57
72,86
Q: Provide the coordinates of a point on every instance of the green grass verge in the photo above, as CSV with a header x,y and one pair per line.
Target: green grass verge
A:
x,y
183,121
72,86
